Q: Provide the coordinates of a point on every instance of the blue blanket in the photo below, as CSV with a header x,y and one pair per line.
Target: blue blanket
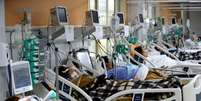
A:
x,y
126,72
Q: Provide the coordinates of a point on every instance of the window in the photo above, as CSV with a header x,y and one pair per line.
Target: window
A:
x,y
102,9
92,4
110,10
105,9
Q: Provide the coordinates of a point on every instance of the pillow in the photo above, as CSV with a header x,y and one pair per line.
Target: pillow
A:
x,y
141,73
83,80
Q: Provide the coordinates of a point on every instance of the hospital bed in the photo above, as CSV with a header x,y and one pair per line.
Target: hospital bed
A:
x,y
192,65
182,54
189,92
177,92
178,66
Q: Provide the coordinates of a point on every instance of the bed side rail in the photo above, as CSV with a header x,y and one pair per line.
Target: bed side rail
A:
x,y
50,80
176,91
193,68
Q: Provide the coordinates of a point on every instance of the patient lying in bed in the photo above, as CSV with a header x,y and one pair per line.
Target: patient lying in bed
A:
x,y
126,71
101,88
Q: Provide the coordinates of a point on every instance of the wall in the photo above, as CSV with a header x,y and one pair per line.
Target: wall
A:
x,y
2,21
168,14
195,21
40,10
3,81
136,8
133,10
124,8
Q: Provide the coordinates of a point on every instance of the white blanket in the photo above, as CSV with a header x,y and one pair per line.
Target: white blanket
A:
x,y
163,60
160,60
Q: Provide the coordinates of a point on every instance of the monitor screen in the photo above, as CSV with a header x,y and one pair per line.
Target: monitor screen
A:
x,y
163,21
21,77
85,59
173,20
62,14
141,18
20,73
121,18
181,21
95,16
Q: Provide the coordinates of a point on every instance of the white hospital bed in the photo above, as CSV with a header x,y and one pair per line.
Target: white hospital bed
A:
x,y
175,64
191,91
193,68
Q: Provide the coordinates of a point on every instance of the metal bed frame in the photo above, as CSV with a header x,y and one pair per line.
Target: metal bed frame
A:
x,y
191,91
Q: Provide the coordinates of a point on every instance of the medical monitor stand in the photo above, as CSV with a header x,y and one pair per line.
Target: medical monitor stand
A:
x,y
57,70
56,50
10,91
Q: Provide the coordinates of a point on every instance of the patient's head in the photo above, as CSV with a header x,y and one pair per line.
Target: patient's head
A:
x,y
12,98
194,37
108,62
137,48
70,72
140,50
